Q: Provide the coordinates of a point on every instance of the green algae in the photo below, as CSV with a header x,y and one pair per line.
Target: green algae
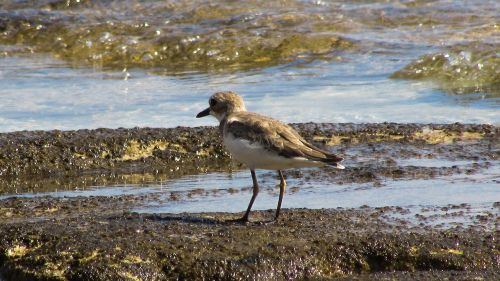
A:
x,y
196,35
16,251
167,36
460,70
425,134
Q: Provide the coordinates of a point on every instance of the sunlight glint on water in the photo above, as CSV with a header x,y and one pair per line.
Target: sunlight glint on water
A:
x,y
57,97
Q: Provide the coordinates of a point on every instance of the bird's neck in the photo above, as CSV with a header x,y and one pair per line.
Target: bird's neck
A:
x,y
222,124
226,119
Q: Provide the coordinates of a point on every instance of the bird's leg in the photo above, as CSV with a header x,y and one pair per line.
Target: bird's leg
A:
x,y
254,195
282,192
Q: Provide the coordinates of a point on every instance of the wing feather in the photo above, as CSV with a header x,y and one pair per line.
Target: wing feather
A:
x,y
279,136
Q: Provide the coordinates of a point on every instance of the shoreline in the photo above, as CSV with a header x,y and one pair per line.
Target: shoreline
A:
x,y
102,238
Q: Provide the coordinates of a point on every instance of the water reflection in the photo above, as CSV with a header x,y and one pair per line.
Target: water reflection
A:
x,y
230,192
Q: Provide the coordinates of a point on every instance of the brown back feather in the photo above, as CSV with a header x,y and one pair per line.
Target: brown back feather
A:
x,y
279,136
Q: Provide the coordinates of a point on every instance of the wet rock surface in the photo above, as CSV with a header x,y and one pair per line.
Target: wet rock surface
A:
x,y
324,244
173,36
459,70
102,238
47,160
199,35
39,160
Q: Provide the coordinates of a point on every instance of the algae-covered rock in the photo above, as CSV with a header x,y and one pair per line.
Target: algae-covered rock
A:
x,y
170,36
102,238
48,160
306,245
459,70
34,160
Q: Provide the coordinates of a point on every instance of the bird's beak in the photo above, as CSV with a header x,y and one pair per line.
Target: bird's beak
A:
x,y
203,113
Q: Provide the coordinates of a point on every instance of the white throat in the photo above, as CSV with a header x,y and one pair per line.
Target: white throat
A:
x,y
218,116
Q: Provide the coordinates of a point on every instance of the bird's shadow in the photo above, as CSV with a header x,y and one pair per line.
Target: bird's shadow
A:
x,y
194,219
187,218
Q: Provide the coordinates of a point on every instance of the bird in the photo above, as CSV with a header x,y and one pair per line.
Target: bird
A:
x,y
261,142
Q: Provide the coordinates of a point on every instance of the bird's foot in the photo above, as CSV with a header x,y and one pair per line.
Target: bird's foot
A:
x,y
245,220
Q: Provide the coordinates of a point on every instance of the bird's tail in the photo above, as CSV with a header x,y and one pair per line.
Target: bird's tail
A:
x,y
334,161
317,154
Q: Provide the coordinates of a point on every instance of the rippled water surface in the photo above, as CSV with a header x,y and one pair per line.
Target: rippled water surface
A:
x,y
40,93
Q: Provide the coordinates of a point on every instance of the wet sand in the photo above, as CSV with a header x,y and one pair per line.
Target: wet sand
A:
x,y
103,238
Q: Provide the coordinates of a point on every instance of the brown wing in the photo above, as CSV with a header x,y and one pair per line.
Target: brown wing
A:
x,y
278,136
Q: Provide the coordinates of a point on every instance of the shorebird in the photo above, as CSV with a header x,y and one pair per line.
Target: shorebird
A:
x,y
261,142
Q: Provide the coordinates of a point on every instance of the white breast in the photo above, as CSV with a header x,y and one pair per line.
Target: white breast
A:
x,y
257,156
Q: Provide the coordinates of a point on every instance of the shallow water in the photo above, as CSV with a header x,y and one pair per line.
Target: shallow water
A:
x,y
436,192
57,97
231,192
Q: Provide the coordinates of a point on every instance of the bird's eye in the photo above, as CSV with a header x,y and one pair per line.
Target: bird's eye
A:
x,y
212,102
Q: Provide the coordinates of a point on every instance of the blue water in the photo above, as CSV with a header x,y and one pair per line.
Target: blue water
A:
x,y
42,93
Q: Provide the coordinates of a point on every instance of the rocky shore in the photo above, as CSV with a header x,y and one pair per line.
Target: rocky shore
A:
x,y
101,238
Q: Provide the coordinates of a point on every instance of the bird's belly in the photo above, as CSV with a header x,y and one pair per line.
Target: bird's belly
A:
x,y
256,156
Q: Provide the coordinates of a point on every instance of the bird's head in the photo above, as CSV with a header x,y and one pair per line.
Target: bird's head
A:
x,y
222,104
